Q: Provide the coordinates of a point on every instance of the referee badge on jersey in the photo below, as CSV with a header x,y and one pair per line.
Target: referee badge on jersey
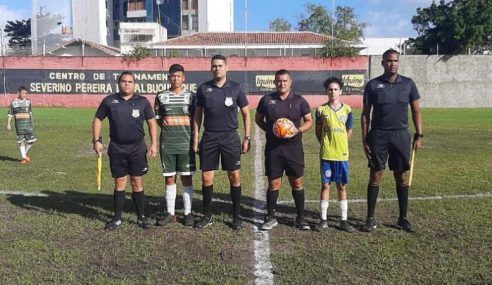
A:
x,y
228,101
135,113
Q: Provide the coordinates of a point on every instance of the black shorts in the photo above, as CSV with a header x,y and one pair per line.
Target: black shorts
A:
x,y
128,159
392,146
223,145
288,158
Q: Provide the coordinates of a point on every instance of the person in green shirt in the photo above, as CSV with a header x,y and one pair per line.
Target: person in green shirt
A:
x,y
21,111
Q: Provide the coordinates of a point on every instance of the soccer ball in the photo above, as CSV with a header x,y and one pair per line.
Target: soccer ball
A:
x,y
283,128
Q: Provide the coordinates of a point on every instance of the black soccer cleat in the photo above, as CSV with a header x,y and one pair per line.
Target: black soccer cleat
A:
x,y
302,224
323,224
204,222
370,225
404,225
113,224
237,223
143,222
345,226
164,221
270,223
188,220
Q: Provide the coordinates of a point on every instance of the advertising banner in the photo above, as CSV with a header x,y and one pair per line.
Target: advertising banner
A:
x,y
67,82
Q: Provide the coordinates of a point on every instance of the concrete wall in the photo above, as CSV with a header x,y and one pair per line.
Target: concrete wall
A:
x,y
462,81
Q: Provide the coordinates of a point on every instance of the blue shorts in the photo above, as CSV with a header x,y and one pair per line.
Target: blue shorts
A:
x,y
334,171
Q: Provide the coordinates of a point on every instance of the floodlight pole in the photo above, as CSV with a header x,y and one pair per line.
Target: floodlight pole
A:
x,y
245,28
332,23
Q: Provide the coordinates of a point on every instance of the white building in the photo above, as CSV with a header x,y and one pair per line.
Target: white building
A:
x,y
140,34
216,16
93,21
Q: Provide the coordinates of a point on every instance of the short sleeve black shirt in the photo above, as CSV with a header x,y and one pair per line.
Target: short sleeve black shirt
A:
x,y
220,105
294,107
126,117
389,101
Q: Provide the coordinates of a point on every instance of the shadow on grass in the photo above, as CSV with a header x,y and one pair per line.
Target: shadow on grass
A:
x,y
88,205
97,206
8,158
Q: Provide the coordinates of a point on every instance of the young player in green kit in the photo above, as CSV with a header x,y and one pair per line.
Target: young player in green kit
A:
x,y
334,123
174,111
21,110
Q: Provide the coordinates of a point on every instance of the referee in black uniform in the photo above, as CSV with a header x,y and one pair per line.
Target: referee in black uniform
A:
x,y
218,101
284,154
385,135
127,150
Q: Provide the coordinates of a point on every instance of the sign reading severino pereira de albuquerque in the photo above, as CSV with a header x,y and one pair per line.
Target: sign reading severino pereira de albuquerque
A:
x,y
67,82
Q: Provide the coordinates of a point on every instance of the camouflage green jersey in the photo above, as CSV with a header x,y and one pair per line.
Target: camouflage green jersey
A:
x,y
21,110
174,113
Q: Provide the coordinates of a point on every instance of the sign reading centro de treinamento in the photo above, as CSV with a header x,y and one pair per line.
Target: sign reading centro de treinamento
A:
x,y
50,81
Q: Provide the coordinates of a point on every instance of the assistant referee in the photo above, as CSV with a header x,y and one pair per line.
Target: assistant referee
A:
x,y
385,136
127,150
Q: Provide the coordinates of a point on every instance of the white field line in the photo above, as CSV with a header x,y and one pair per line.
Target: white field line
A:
x,y
261,205
263,266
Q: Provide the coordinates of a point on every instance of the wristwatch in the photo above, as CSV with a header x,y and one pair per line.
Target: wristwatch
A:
x,y
248,138
416,136
97,140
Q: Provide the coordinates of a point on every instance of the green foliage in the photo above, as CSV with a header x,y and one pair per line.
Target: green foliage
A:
x,y
19,33
319,20
137,53
337,48
279,25
453,27
347,30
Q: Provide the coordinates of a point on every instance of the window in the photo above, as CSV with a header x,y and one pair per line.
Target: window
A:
x,y
194,4
184,5
185,25
194,22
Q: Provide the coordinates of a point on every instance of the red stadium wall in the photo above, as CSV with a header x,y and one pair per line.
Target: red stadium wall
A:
x,y
161,64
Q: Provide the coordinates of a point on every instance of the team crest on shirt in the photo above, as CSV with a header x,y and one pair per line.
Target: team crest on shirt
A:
x,y
185,109
343,119
228,101
164,98
135,113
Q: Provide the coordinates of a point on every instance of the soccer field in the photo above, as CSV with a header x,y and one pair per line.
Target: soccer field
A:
x,y
53,232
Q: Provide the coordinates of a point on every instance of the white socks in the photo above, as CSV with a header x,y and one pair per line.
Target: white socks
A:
x,y
343,209
23,150
323,205
171,198
187,199
324,209
28,147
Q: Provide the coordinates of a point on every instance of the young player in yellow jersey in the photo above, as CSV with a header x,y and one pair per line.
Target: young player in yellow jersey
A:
x,y
334,122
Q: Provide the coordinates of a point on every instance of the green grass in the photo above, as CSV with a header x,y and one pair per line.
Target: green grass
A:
x,y
58,238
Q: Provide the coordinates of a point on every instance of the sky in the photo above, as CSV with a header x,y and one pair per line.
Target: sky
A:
x,y
384,18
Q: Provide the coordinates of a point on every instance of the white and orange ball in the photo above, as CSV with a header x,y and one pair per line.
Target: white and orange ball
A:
x,y
284,128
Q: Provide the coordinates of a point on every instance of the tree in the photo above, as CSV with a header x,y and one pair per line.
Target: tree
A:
x,y
279,25
138,52
347,30
19,33
459,26
319,20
